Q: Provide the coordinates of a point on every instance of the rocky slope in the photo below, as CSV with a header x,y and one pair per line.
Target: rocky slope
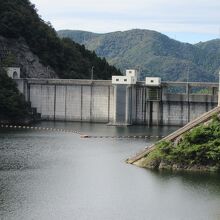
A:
x,y
30,65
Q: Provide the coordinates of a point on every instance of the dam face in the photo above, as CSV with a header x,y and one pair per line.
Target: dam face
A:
x,y
100,101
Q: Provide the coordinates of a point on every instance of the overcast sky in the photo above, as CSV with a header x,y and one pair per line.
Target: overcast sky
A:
x,y
184,20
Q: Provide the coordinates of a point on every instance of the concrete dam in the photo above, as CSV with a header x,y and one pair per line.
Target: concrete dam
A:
x,y
171,103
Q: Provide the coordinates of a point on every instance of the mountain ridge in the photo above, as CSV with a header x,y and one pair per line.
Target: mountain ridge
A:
x,y
154,53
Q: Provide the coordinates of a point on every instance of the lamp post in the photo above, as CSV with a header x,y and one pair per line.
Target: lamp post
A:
x,y
219,90
92,72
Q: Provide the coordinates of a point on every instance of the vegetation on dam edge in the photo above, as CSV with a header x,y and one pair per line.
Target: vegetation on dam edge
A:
x,y
198,149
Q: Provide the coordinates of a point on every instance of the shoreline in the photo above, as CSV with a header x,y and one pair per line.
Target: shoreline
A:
x,y
163,166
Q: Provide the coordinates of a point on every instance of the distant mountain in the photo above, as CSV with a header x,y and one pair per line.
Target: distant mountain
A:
x,y
212,51
153,53
79,36
212,46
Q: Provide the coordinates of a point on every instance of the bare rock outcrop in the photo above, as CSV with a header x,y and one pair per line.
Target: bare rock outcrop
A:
x,y
30,64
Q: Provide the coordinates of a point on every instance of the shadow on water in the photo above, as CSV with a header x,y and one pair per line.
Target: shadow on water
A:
x,y
194,180
98,129
104,129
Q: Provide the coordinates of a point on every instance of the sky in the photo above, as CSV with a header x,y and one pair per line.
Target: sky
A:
x,y
189,21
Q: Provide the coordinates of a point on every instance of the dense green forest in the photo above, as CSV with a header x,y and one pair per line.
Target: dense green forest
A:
x,y
19,19
198,148
153,53
12,104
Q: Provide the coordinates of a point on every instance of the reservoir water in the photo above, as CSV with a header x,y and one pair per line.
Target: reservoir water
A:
x,y
58,176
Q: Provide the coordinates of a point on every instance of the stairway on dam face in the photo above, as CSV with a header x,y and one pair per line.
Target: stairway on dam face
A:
x,y
201,119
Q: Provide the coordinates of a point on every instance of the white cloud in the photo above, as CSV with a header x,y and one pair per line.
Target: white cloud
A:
x,y
149,6
195,16
103,26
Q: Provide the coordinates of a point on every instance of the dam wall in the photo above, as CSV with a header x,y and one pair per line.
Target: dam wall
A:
x,y
173,103
165,108
70,100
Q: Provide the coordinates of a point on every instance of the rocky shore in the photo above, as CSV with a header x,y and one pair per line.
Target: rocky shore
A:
x,y
144,163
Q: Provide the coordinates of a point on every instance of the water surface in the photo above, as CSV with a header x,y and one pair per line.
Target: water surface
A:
x,y
54,176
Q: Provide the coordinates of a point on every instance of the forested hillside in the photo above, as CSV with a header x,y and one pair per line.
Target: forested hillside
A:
x,y
19,19
154,54
32,44
12,104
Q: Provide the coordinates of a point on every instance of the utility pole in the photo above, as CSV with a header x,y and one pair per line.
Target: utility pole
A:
x,y
219,90
188,92
92,70
139,73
